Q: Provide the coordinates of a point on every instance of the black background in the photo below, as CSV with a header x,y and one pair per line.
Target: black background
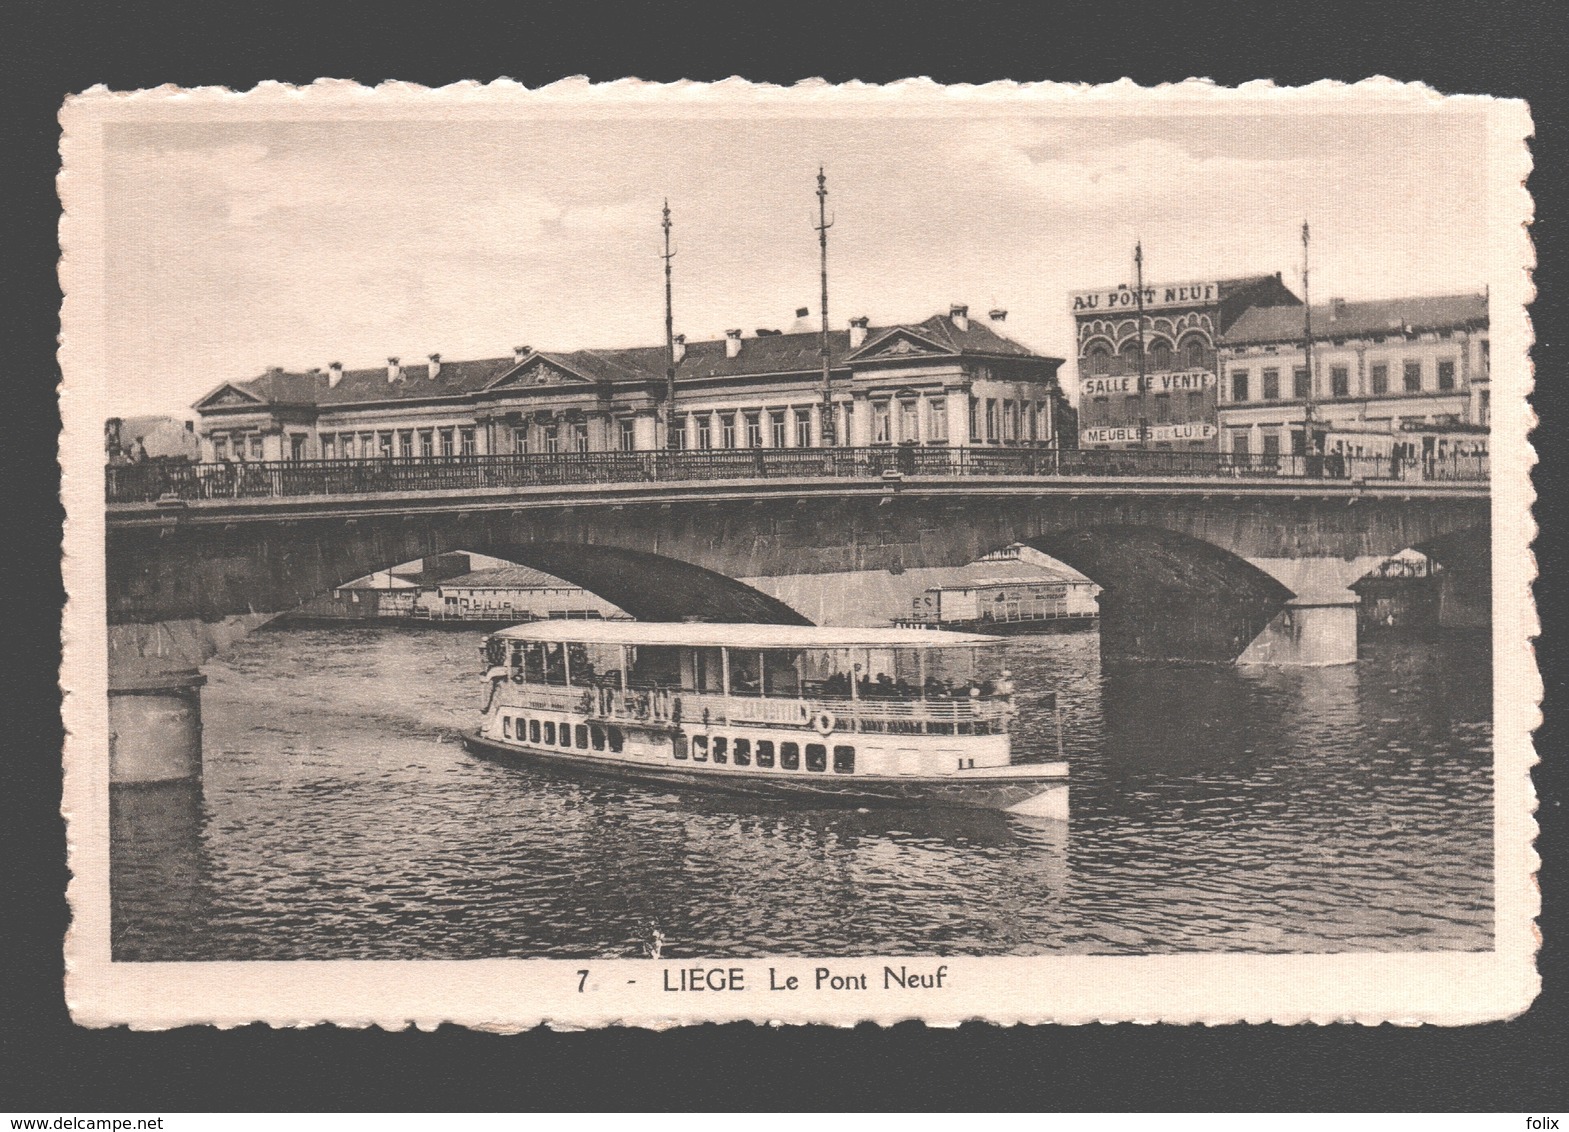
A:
x,y
51,49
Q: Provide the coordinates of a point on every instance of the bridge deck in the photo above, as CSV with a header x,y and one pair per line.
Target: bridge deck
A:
x,y
575,478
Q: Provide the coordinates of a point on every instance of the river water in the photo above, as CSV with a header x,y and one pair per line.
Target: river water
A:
x,y
1327,810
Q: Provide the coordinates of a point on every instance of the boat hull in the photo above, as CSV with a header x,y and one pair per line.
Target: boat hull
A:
x,y
1038,790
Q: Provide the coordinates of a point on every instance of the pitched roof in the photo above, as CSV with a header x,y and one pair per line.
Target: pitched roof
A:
x,y
769,354
282,387
508,578
1354,320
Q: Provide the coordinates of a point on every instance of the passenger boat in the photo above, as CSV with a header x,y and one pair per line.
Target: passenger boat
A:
x,y
847,716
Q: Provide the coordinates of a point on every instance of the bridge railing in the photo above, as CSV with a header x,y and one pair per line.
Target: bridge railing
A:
x,y
147,483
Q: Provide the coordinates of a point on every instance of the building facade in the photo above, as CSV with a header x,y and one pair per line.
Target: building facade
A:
x,y
1175,408
949,380
1399,378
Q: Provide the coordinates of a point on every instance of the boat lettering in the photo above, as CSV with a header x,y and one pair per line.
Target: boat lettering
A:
x,y
695,979
913,980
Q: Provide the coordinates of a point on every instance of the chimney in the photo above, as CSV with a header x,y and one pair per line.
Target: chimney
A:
x,y
435,366
520,352
997,314
858,331
334,374
732,343
960,315
1337,309
679,345
394,372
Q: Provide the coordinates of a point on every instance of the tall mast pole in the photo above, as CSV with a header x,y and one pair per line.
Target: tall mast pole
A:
x,y
1307,346
1144,416
670,340
826,412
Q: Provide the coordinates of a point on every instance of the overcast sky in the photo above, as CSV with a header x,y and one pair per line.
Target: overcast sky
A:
x,y
234,247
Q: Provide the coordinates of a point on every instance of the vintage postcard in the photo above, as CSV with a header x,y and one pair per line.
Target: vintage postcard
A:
x,y
637,554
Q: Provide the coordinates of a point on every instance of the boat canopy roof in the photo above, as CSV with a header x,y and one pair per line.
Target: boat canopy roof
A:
x,y
692,634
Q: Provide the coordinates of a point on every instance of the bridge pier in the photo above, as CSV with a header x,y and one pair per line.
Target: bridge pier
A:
x,y
155,723
155,698
1312,631
1465,592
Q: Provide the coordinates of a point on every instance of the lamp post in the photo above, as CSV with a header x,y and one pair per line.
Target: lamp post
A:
x,y
670,341
826,424
1144,419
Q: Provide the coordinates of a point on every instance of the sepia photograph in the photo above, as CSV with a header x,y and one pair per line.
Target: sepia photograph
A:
x,y
813,553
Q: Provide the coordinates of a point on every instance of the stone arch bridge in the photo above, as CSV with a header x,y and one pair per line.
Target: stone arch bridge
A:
x,y
1192,568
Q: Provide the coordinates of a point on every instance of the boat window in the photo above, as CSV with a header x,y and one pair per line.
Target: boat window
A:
x,y
700,748
534,663
746,672
721,749
743,752
555,662
582,736
816,756
533,730
780,674
765,752
844,760
656,666
678,746
789,756
617,739
564,729
550,733
710,669
597,734
580,668
506,727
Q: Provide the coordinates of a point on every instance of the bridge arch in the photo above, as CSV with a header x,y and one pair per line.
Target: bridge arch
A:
x,y
650,587
1168,595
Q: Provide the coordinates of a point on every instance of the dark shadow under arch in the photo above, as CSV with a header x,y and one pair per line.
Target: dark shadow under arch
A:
x,y
1168,596
650,587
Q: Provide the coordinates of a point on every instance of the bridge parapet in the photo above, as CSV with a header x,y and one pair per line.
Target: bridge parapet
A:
x,y
151,483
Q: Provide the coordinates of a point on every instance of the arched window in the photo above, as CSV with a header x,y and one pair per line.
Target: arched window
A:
x,y
1130,355
1160,355
1193,352
1099,360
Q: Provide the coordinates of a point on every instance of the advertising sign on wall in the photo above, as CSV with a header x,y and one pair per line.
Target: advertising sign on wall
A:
x,y
1162,433
1181,381
1125,298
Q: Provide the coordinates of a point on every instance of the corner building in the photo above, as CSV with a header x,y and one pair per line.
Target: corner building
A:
x,y
1183,326
946,381
1406,379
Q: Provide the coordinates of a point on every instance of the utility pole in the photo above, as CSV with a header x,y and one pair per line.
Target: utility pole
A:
x,y
826,425
670,341
1144,415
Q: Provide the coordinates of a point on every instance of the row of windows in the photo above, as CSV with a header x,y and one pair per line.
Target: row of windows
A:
x,y
743,428
719,749
1192,354
572,437
564,734
244,446
742,752
1125,410
404,443
1340,381
1006,420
